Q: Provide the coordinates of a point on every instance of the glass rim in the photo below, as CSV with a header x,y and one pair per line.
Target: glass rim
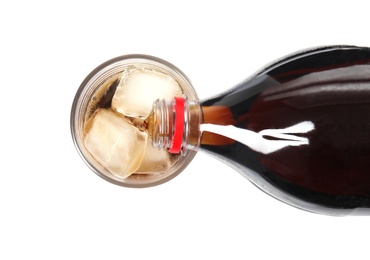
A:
x,y
113,66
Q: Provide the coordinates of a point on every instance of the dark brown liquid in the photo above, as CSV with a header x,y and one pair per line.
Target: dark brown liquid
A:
x,y
329,87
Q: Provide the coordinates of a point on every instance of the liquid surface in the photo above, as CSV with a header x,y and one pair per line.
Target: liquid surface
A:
x,y
140,80
302,124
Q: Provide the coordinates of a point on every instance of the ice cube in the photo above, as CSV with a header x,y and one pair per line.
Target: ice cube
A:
x,y
139,88
114,143
154,161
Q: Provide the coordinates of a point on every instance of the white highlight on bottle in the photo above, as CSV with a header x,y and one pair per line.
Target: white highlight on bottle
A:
x,y
257,140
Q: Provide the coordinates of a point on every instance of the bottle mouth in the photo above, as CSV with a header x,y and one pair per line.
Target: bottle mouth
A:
x,y
166,124
109,71
175,125
158,126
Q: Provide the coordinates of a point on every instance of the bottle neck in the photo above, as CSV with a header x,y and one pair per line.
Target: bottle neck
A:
x,y
175,125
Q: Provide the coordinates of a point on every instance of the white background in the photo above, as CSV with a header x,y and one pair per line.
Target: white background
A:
x,y
53,207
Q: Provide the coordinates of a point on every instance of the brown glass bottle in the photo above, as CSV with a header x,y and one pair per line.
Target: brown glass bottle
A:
x,y
299,129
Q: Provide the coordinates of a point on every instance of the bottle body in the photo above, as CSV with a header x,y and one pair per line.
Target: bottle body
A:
x,y
317,105
299,130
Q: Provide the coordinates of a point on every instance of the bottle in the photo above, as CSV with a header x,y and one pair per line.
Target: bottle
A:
x,y
299,129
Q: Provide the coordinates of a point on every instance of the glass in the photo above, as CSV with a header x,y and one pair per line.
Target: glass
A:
x,y
87,97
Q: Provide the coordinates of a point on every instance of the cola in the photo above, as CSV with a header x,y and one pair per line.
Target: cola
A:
x,y
299,129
